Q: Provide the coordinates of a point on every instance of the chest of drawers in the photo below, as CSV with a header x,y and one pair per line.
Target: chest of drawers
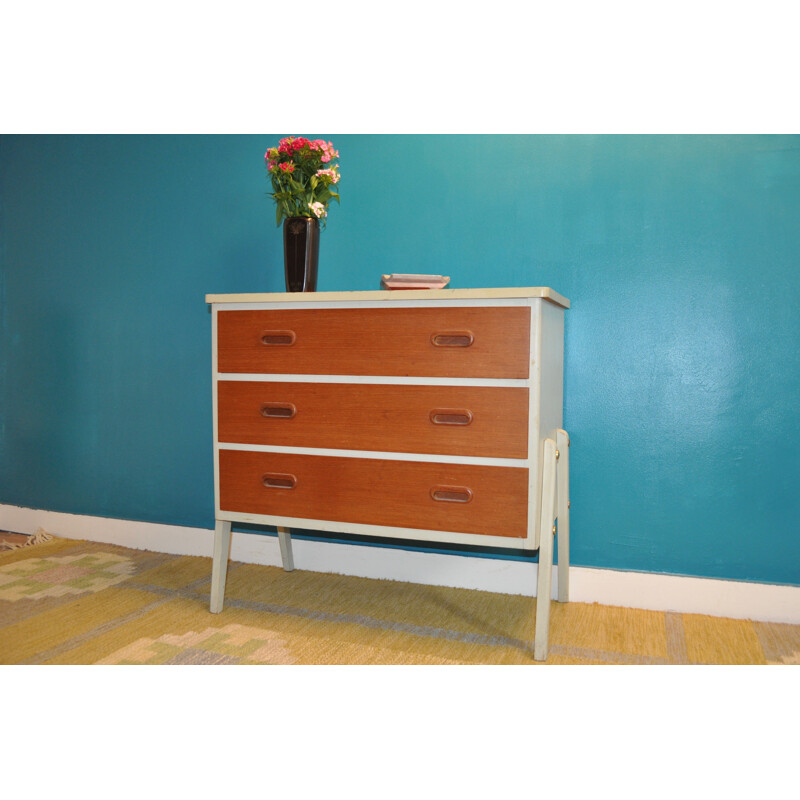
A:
x,y
424,415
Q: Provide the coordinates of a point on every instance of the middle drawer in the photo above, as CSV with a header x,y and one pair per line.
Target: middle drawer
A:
x,y
482,421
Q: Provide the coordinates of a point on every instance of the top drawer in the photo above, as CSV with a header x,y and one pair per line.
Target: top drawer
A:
x,y
472,342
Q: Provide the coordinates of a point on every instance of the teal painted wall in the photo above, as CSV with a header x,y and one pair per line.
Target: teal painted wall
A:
x,y
680,255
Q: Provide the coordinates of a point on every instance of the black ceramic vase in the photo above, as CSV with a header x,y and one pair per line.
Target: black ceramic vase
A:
x,y
301,253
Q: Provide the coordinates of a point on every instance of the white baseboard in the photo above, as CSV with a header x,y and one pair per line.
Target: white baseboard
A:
x,y
653,591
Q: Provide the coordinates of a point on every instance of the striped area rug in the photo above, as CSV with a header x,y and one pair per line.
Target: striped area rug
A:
x,y
73,602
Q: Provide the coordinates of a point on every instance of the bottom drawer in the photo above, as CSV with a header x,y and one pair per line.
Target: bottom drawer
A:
x,y
405,494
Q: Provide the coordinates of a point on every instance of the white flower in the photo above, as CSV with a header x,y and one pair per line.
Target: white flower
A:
x,y
318,209
332,174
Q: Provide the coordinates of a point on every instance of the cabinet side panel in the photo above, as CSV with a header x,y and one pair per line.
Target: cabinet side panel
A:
x,y
552,370
534,438
214,404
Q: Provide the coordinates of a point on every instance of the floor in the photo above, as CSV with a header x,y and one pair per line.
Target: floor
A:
x,y
76,602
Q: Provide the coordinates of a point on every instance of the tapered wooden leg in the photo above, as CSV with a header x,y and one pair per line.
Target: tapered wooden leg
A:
x,y
219,567
562,491
545,574
285,540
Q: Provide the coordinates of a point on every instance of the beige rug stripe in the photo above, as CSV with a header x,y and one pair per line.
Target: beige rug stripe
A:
x,y
676,639
780,642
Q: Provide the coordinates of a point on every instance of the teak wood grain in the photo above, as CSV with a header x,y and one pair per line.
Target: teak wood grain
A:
x,y
472,342
376,492
471,421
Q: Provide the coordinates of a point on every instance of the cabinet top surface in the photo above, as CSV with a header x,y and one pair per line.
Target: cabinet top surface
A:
x,y
418,295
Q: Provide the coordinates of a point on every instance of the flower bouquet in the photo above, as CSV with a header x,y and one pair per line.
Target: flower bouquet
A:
x,y
303,177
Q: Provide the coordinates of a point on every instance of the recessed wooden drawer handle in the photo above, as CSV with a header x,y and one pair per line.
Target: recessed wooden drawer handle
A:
x,y
450,416
277,480
278,338
278,410
451,494
452,339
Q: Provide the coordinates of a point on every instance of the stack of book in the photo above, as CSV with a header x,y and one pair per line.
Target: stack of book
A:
x,y
397,281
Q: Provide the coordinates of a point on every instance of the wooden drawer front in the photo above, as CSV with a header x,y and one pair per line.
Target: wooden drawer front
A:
x,y
427,342
457,420
480,500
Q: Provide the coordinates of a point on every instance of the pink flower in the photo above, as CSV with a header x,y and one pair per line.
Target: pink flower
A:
x,y
287,167
327,149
